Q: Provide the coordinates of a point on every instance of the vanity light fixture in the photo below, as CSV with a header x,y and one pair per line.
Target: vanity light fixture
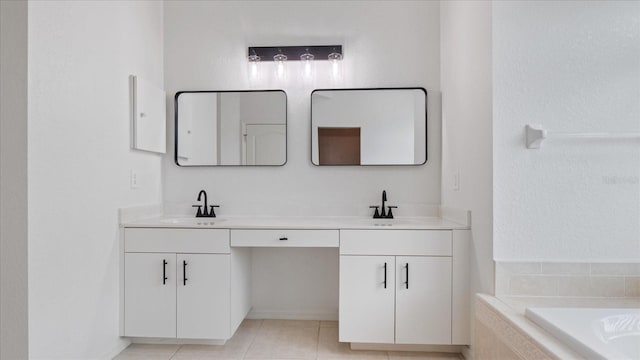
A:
x,y
307,54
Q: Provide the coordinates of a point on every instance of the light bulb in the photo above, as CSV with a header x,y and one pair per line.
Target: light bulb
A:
x,y
253,67
280,60
307,64
336,65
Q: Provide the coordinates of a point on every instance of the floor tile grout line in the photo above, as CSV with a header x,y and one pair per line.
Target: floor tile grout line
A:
x,y
318,343
244,355
175,352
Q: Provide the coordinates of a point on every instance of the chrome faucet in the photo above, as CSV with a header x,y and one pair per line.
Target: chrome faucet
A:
x,y
384,214
208,209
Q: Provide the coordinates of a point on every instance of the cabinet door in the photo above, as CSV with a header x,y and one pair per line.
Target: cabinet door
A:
x,y
366,306
423,304
149,298
204,296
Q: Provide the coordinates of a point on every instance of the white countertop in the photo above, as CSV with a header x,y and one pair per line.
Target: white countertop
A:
x,y
324,222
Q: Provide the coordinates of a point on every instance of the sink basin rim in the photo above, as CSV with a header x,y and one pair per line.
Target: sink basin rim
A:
x,y
391,222
191,221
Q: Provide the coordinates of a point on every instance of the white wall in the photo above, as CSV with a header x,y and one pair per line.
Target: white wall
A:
x,y
299,283
206,48
466,70
467,125
13,180
80,57
386,44
572,67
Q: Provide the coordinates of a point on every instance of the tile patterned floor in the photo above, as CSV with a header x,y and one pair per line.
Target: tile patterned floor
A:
x,y
274,339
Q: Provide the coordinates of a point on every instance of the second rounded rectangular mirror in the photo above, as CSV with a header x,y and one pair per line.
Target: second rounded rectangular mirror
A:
x,y
386,126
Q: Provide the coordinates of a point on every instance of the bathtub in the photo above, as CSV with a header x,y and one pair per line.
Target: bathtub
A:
x,y
595,333
559,328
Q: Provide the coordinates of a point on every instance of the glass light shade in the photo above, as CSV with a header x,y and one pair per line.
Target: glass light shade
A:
x,y
280,60
253,67
334,56
307,57
307,65
336,65
280,57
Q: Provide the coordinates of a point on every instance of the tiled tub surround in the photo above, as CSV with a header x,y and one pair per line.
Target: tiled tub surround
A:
x,y
503,332
601,280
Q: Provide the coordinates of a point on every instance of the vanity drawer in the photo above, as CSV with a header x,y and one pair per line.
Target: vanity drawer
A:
x,y
177,240
396,242
285,238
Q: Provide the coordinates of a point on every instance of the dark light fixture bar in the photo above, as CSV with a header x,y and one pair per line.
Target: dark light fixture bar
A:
x,y
293,53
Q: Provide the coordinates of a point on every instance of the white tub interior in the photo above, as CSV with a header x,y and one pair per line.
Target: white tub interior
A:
x,y
595,333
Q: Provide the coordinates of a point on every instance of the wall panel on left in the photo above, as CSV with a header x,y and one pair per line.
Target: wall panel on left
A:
x,y
13,180
81,54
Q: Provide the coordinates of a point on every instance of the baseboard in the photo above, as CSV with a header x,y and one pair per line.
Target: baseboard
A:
x,y
117,350
400,347
292,315
176,341
467,353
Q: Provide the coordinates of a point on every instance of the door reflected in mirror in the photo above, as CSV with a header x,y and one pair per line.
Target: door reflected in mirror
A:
x,y
338,146
369,126
231,128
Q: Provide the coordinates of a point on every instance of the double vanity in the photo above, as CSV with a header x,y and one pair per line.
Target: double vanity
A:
x,y
401,281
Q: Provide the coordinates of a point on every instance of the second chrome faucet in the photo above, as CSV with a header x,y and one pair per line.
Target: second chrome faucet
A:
x,y
209,210
384,214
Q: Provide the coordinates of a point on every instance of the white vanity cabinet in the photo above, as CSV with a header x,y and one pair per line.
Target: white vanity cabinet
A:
x,y
398,284
285,238
203,296
177,283
367,305
423,300
396,287
150,299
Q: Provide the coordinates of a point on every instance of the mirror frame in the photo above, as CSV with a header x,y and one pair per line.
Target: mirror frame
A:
x,y
175,126
426,127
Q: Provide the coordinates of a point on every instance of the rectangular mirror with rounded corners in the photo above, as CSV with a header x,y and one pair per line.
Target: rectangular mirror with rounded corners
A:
x,y
383,126
231,128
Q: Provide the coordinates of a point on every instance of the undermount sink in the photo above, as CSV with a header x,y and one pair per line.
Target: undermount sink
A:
x,y
191,221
